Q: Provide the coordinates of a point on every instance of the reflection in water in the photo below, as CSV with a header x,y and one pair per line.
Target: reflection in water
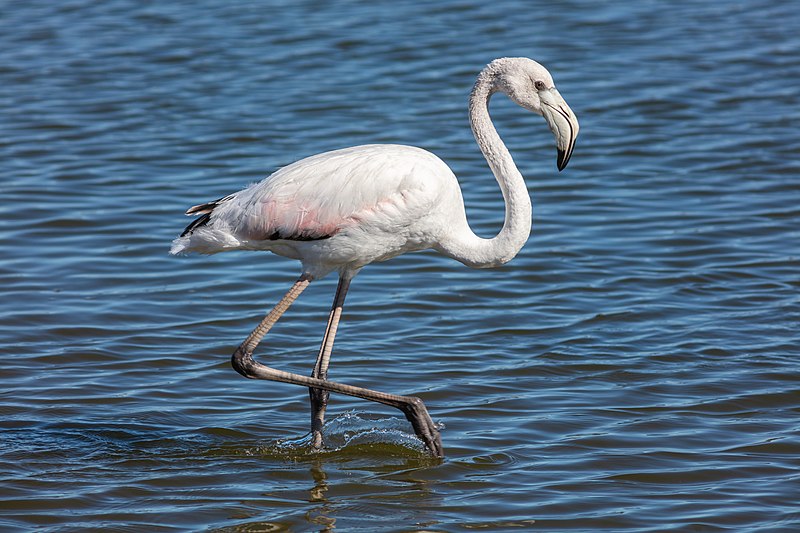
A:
x,y
319,515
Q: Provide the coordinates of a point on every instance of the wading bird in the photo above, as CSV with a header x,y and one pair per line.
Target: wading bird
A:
x,y
341,210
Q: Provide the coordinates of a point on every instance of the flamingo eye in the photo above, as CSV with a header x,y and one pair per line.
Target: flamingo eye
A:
x,y
540,86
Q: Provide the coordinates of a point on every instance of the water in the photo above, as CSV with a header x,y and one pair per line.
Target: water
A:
x,y
635,367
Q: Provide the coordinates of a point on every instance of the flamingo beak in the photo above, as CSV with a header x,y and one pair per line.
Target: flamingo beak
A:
x,y
562,122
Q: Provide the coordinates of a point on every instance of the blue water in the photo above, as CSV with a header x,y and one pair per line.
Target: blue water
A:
x,y
634,368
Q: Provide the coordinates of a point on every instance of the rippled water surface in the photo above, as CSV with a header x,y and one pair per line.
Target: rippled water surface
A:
x,y
635,367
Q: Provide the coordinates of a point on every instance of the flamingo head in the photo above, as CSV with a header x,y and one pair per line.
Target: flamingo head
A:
x,y
530,85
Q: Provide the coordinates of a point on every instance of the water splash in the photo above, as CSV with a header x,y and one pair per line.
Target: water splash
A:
x,y
362,433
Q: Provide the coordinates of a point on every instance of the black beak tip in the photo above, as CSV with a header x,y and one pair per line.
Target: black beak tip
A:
x,y
563,159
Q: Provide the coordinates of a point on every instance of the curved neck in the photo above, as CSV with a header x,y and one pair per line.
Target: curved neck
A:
x,y
467,247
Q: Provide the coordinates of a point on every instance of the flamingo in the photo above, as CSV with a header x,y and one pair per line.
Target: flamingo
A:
x,y
344,209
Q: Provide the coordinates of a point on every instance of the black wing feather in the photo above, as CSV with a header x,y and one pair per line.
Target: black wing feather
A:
x,y
205,210
196,223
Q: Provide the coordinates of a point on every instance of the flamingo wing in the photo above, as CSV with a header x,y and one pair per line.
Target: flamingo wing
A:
x,y
319,196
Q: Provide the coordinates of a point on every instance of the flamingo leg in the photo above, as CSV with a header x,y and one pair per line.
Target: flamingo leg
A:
x,y
319,397
411,406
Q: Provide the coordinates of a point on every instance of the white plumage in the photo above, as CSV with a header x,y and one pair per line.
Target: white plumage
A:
x,y
338,210
341,210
